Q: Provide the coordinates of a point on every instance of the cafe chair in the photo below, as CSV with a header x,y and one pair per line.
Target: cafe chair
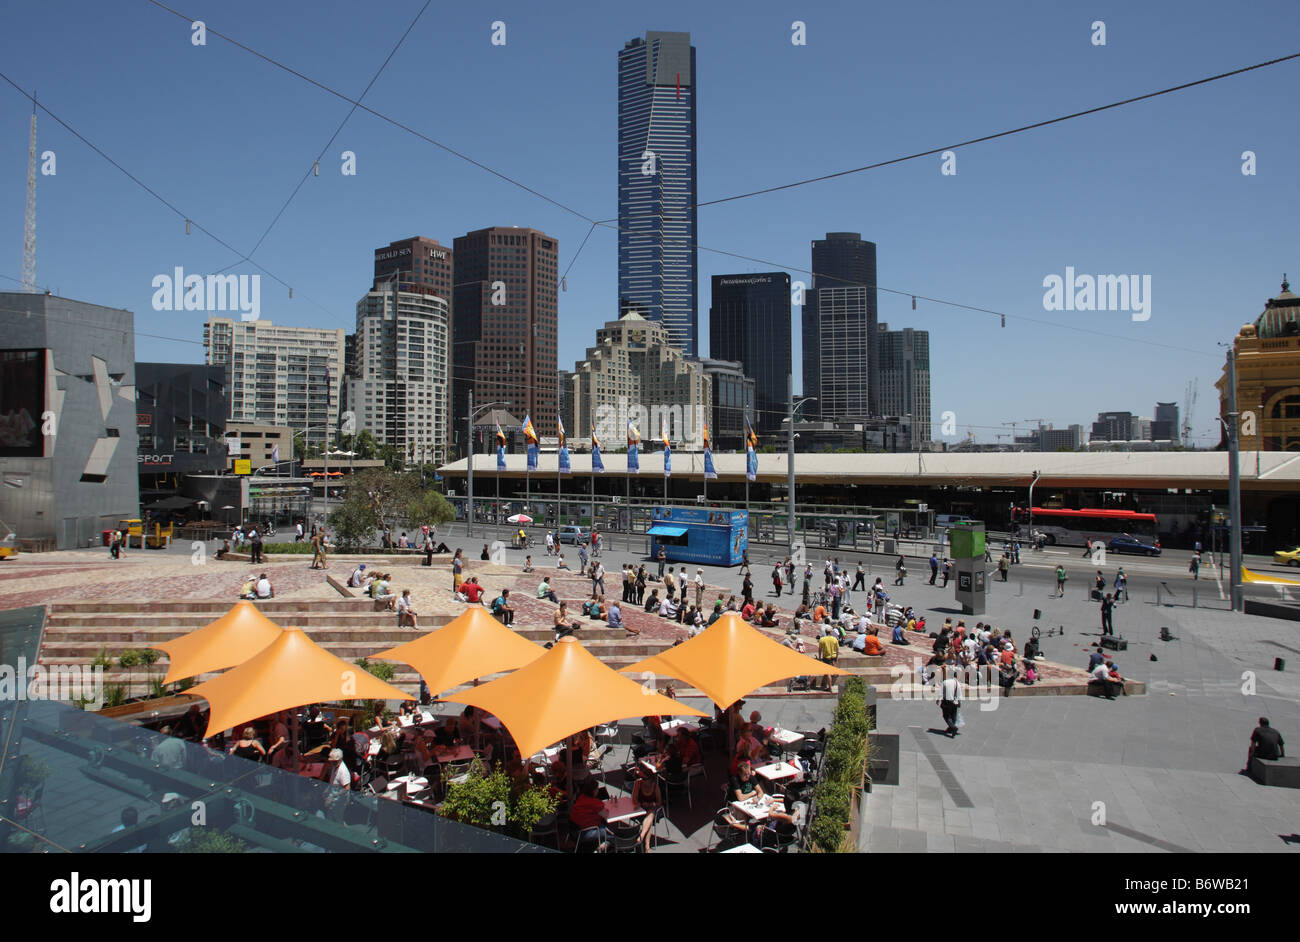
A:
x,y
548,826
627,838
697,771
588,842
723,832
608,734
680,782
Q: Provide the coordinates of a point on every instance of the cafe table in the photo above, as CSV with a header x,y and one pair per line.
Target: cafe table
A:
x,y
756,809
651,763
622,808
453,754
786,739
673,727
778,771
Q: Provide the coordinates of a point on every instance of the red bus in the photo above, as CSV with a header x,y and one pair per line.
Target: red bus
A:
x,y
1077,527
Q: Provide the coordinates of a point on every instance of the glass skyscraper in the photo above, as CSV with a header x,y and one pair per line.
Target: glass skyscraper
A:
x,y
658,276
841,357
749,321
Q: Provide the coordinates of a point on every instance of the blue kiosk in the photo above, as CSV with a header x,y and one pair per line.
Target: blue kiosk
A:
x,y
699,535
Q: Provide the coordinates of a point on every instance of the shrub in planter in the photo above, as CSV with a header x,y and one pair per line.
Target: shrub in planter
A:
x,y
287,549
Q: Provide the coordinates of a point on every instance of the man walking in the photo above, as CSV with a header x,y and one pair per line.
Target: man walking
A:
x,y
776,579
1107,607
1004,566
934,568
598,578
582,559
663,557
789,573
1060,581
1194,567
950,702
947,571
860,579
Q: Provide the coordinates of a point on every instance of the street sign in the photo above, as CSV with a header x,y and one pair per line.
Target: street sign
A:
x,y
243,466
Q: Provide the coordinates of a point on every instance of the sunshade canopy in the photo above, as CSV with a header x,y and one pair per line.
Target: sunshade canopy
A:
x,y
473,644
519,518
667,531
231,639
730,659
290,672
563,692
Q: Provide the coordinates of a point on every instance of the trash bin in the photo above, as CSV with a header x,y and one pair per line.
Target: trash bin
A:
x,y
888,546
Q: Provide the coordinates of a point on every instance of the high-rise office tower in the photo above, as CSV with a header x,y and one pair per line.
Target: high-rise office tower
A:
x,y
749,321
505,332
658,275
840,358
905,377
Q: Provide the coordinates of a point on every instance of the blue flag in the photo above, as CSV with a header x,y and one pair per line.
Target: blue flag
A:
x,y
668,461
709,472
532,457
597,465
501,448
633,462
564,460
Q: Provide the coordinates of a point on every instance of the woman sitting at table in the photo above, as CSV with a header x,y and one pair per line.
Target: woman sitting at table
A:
x,y
420,758
741,756
670,762
779,825
407,708
588,812
342,739
388,745
647,796
468,725
743,786
248,746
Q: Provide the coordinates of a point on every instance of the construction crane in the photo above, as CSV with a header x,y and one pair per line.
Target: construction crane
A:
x,y
1189,406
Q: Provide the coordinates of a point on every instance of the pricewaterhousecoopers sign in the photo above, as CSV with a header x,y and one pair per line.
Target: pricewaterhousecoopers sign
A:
x,y
756,280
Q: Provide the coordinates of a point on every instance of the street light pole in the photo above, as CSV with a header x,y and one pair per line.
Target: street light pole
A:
x,y
1031,507
469,465
789,466
1234,483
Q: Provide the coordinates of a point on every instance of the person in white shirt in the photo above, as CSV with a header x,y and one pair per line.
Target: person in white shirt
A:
x,y
264,590
297,532
950,701
699,587
668,608
550,543
358,578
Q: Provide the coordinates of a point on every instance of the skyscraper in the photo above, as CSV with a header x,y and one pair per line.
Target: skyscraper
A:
x,y
658,274
840,355
280,375
749,321
505,332
905,377
400,391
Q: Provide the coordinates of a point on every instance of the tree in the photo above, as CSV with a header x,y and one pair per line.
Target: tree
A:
x,y
378,499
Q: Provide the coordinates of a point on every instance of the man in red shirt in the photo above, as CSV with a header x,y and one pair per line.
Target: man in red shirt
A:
x,y
472,590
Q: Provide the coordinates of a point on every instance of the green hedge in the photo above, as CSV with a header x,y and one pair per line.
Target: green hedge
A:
x,y
842,767
285,549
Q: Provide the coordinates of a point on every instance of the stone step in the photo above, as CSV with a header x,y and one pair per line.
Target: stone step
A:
x,y
55,652
387,633
217,607
147,620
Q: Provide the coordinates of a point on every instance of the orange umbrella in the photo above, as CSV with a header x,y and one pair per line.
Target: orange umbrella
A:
x,y
563,692
473,644
293,670
730,659
231,639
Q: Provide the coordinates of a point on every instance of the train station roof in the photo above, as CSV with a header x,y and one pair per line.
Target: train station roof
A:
x,y
1143,470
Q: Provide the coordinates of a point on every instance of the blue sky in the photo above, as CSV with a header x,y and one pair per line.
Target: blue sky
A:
x,y
1154,188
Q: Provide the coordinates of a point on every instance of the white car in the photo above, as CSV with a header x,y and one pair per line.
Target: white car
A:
x,y
575,535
